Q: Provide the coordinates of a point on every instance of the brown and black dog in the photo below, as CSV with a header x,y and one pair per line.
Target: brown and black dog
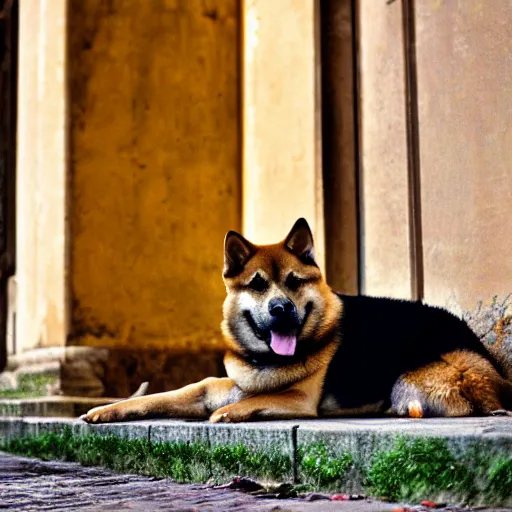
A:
x,y
299,350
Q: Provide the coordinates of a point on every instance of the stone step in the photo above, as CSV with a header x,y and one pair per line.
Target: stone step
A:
x,y
50,406
472,446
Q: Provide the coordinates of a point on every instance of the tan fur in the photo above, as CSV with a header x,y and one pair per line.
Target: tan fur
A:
x,y
456,385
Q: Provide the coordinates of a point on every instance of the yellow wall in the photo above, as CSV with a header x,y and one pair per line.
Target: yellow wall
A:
x,y
155,175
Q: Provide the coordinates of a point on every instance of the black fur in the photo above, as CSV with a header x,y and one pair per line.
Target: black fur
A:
x,y
383,338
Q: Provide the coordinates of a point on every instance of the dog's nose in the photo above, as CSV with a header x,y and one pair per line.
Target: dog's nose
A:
x,y
279,307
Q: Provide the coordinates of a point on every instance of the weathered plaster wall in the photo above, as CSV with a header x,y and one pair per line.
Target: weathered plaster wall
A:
x,y
155,178
464,53
41,319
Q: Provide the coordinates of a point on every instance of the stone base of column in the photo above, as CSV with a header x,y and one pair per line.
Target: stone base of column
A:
x,y
100,372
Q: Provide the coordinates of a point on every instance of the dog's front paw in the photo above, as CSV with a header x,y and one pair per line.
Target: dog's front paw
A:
x,y
102,414
230,414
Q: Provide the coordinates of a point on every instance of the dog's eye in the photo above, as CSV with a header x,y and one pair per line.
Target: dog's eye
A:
x,y
258,284
293,282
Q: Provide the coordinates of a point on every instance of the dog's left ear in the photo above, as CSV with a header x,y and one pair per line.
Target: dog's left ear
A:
x,y
300,242
237,252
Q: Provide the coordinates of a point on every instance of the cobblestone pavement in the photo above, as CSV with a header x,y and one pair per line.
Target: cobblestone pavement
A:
x,y
33,485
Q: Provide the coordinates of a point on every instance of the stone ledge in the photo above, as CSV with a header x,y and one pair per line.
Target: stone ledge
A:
x,y
470,440
333,433
50,406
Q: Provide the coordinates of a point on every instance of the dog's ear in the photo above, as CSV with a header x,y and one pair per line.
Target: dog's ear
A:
x,y
300,242
237,252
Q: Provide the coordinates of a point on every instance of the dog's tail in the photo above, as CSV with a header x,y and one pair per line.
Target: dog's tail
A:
x,y
141,391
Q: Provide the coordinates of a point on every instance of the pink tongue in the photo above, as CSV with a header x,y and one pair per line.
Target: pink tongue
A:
x,y
282,344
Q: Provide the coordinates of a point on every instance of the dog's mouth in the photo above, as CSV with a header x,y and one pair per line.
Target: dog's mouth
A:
x,y
283,344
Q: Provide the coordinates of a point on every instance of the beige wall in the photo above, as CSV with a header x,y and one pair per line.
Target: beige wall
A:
x,y
41,176
464,83
465,108
281,124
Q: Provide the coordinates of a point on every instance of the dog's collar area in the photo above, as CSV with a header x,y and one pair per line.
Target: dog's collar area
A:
x,y
274,360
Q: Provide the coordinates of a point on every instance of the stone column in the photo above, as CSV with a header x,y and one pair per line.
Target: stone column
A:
x,y
41,236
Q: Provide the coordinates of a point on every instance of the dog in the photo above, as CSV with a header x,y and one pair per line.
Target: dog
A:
x,y
297,349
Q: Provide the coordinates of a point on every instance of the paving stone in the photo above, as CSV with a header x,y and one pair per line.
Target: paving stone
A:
x,y
49,406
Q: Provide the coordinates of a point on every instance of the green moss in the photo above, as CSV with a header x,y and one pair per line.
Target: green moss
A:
x,y
240,460
321,470
419,469
183,462
10,409
499,487
30,385
16,394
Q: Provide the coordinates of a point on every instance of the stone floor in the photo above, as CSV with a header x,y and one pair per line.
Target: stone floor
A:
x,y
33,485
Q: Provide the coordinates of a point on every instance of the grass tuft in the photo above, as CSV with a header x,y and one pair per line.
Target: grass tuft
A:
x,y
240,460
499,487
320,469
418,469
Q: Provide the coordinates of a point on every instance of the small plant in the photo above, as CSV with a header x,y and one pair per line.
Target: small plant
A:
x,y
320,469
240,460
418,469
499,487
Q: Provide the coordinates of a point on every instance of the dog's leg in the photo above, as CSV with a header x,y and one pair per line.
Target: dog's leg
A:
x,y
290,404
460,384
193,401
298,401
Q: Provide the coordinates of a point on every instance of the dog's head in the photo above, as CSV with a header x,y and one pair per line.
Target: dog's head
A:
x,y
278,302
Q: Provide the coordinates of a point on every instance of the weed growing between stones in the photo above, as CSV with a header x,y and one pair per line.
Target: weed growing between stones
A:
x,y
183,462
